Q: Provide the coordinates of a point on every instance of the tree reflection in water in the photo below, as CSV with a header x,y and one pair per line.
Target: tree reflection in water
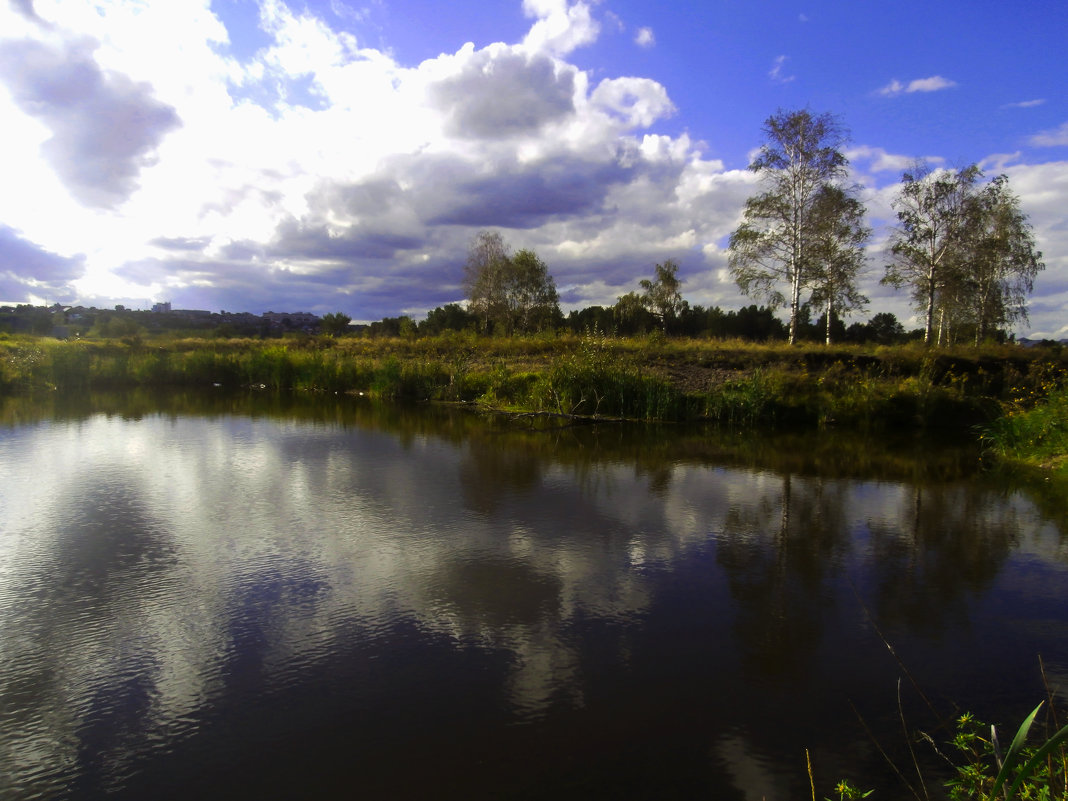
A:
x,y
657,609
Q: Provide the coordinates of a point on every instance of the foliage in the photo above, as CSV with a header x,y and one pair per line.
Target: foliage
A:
x,y
661,295
509,293
450,317
1034,430
965,250
775,243
839,236
632,316
1023,772
883,329
115,327
926,246
847,792
335,324
1002,260
730,382
594,381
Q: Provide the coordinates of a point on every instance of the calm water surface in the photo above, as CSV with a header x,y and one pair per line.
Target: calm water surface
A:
x,y
265,598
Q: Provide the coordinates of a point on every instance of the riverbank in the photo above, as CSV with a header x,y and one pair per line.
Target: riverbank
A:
x,y
733,383
1034,434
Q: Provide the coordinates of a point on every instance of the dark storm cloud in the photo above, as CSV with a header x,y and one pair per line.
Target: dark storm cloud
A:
x,y
503,94
365,290
302,240
26,268
514,195
189,270
373,197
105,127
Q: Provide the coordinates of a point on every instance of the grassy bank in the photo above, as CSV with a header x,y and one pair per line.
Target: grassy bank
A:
x,y
1033,431
648,378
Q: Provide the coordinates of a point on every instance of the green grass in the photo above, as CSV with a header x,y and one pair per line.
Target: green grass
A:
x,y
733,383
1034,429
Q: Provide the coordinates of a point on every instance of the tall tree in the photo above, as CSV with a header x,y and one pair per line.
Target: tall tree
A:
x,y
631,315
533,302
838,238
661,295
773,246
335,324
1002,261
485,277
929,244
509,293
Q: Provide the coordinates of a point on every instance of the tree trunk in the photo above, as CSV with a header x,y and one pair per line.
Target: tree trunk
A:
x,y
795,304
929,327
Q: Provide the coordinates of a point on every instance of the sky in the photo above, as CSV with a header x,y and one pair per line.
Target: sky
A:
x,y
341,155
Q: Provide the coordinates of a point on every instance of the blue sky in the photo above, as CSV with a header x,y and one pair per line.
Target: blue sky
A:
x,y
255,155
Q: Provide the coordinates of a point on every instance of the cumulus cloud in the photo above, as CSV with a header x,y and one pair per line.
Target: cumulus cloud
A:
x,y
1057,137
645,38
561,27
637,102
499,93
105,127
933,84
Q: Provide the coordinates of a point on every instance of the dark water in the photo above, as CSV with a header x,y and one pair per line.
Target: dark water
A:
x,y
259,598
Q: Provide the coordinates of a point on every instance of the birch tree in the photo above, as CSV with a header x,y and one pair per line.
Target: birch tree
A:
x,y
509,293
661,295
770,254
839,235
928,246
1002,261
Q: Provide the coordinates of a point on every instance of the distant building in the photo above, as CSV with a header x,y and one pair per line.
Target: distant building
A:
x,y
161,307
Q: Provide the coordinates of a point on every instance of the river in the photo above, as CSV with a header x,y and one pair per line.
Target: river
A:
x,y
259,596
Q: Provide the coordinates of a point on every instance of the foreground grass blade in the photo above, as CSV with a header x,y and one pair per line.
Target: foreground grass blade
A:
x,y
1036,760
1012,755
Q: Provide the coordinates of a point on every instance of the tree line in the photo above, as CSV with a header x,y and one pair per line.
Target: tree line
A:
x,y
962,248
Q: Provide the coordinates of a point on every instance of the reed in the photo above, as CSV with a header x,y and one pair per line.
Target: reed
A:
x,y
732,383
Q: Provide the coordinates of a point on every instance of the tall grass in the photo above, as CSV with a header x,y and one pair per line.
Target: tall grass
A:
x,y
593,380
1035,428
733,383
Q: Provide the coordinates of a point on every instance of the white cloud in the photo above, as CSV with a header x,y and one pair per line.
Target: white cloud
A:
x,y
1026,103
645,37
878,159
1058,137
560,27
1042,189
933,84
638,102
997,162
776,71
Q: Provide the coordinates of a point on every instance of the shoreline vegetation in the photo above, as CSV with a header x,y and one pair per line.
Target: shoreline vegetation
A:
x,y
1014,398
